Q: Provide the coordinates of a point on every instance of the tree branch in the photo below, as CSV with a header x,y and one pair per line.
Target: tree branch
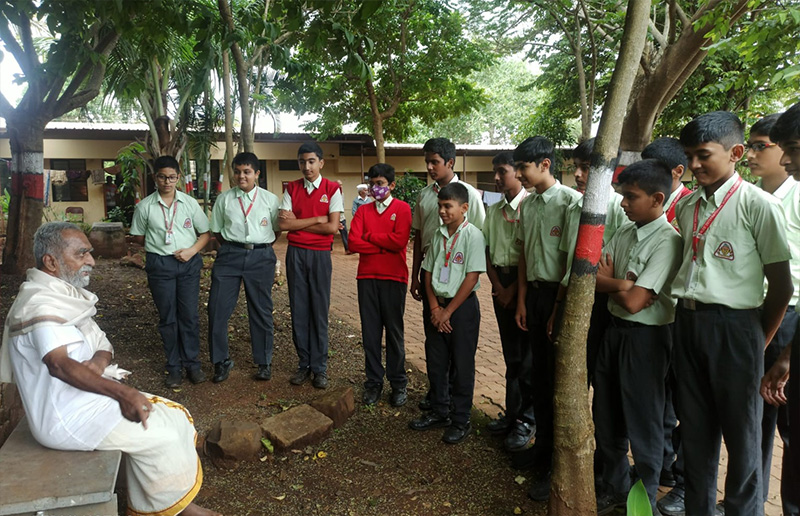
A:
x,y
657,35
20,55
6,109
69,100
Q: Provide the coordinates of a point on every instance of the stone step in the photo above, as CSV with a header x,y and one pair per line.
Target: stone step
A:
x,y
297,427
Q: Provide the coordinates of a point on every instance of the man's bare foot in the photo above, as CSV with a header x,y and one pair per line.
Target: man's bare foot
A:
x,y
195,510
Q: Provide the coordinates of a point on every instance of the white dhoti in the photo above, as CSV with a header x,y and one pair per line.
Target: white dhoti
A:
x,y
162,467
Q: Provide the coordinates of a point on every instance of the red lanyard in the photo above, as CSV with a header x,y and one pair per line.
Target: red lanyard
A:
x,y
241,205
453,244
168,225
503,209
697,234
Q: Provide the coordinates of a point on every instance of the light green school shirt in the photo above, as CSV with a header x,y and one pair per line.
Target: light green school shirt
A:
x,y
228,217
468,255
426,218
152,217
650,256
789,196
500,230
748,233
541,231
615,219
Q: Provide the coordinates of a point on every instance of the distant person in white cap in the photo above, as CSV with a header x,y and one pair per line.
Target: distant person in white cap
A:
x,y
362,197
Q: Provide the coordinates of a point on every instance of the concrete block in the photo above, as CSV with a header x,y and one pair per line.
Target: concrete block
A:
x,y
108,239
297,427
234,440
337,404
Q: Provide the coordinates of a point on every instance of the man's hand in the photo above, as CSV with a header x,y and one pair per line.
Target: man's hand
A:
x,y
440,318
135,406
505,296
414,289
773,383
606,266
521,317
286,215
184,255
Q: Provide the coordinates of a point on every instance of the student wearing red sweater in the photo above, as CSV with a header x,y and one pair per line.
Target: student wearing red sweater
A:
x,y
310,212
379,232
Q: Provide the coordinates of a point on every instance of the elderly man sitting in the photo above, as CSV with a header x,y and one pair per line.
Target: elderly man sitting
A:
x,y
58,356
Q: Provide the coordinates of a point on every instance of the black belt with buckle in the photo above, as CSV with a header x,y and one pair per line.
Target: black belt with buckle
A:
x,y
618,322
444,301
506,269
691,304
241,245
544,284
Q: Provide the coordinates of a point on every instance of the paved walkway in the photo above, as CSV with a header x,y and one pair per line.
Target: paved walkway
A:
x,y
489,368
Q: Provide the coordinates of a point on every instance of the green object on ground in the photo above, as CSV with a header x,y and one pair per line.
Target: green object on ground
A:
x,y
638,501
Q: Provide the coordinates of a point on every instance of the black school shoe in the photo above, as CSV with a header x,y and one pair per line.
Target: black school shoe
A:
x,y
399,397
372,394
264,372
222,370
196,376
320,381
456,433
300,376
428,421
499,425
174,379
519,436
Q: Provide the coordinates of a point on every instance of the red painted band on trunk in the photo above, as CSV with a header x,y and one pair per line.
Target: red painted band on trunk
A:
x,y
29,185
590,243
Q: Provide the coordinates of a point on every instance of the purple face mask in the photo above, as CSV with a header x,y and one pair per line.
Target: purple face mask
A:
x,y
379,192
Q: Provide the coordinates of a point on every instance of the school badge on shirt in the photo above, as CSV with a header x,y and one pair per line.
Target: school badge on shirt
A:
x,y
264,222
458,258
724,251
187,223
393,217
324,198
555,231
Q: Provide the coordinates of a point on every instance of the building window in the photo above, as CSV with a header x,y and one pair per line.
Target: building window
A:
x,y
486,182
68,178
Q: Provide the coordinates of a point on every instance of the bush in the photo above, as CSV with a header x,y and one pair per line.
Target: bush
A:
x,y
407,189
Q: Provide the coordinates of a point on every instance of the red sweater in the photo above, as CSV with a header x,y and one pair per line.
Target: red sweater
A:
x,y
305,206
381,240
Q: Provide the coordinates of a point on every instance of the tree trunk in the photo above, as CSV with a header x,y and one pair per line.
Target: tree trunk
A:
x,y
226,89
27,189
656,89
377,128
242,77
572,490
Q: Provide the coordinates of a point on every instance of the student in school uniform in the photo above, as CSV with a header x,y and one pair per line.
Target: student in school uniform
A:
x,y
733,236
244,221
440,157
670,151
502,257
541,267
310,211
775,388
379,233
173,230
455,260
636,271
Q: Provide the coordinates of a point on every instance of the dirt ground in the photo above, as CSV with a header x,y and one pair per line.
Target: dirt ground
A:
x,y
373,465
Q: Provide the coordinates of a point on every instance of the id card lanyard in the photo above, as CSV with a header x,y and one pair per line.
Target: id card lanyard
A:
x,y
444,274
698,236
246,213
168,224
516,220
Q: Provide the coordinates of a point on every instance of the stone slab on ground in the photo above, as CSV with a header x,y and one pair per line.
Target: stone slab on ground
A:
x,y
297,427
233,440
34,478
337,404
108,240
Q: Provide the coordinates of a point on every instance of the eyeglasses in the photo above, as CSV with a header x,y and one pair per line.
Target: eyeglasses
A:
x,y
759,146
167,179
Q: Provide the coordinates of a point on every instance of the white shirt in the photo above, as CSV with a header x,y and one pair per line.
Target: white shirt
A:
x,y
336,204
62,416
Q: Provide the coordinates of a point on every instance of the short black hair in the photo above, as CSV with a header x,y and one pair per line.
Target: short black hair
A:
x,y
764,125
787,127
311,147
666,149
441,146
454,192
722,127
651,175
584,150
384,170
166,162
504,158
534,150
247,158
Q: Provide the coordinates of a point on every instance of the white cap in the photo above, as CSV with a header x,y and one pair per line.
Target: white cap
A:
x,y
362,187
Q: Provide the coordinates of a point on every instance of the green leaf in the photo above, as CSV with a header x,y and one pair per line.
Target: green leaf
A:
x,y
268,445
638,501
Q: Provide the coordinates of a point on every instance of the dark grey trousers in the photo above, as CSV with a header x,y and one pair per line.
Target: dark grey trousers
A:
x,y
719,362
382,305
308,273
256,269
175,287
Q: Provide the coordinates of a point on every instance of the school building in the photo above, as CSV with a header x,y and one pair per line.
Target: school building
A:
x,y
80,158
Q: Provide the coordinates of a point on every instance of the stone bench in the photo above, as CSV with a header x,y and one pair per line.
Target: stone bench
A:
x,y
39,481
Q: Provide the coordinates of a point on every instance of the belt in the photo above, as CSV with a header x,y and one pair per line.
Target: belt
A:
x,y
622,323
444,301
506,269
544,284
241,245
691,304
